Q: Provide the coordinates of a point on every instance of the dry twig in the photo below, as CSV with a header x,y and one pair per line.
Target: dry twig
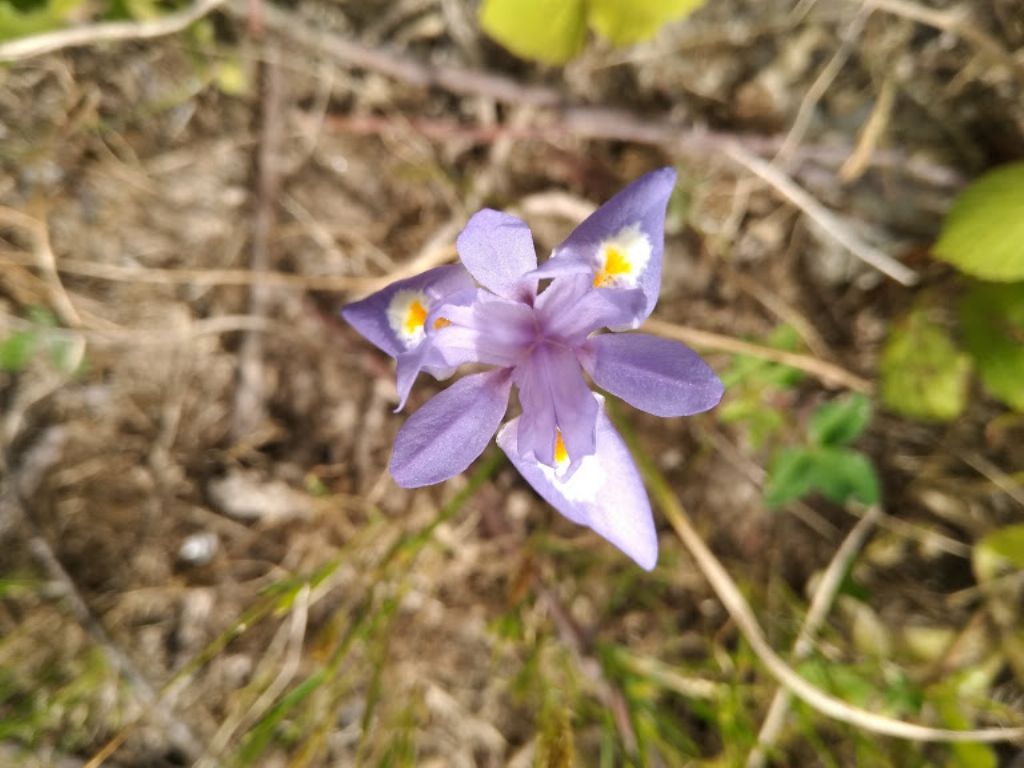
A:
x,y
610,696
819,87
819,609
44,259
106,32
823,217
250,393
828,373
743,616
954,21
568,119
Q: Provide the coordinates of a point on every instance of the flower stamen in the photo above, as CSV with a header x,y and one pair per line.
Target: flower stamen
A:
x,y
615,265
561,455
622,258
407,314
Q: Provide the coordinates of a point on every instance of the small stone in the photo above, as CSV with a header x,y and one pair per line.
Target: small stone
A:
x,y
246,496
199,548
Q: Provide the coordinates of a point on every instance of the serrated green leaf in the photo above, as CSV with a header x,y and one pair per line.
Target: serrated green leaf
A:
x,y
838,474
624,22
552,31
924,375
841,421
983,234
992,319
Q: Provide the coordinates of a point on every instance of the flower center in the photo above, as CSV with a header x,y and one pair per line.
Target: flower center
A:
x,y
622,258
615,265
415,317
407,313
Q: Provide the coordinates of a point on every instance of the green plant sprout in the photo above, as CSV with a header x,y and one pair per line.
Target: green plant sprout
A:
x,y
825,464
757,390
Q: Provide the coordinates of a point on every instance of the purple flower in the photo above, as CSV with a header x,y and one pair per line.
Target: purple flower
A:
x,y
606,274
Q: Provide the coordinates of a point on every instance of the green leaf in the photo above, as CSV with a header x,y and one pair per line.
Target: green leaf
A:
x,y
790,477
842,474
1006,543
841,421
30,18
984,232
552,31
924,375
17,349
625,22
838,474
992,319
947,699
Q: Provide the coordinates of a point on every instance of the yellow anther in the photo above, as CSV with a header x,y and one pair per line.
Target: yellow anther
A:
x,y
441,322
615,264
415,317
561,454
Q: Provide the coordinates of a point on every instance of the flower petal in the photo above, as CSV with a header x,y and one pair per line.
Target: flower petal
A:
x,y
555,399
605,493
488,329
426,357
624,239
497,249
374,316
571,308
655,375
451,430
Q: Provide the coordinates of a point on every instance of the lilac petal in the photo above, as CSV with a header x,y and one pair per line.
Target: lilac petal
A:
x,y
451,430
489,330
655,375
571,309
641,207
497,249
561,267
370,315
426,357
554,397
605,493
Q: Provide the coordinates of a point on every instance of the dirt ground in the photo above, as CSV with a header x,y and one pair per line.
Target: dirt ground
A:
x,y
203,558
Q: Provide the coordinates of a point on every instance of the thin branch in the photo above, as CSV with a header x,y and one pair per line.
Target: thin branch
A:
x,y
610,695
250,392
204,277
819,609
408,70
870,134
38,230
739,610
823,217
106,32
954,21
819,87
828,373
570,119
